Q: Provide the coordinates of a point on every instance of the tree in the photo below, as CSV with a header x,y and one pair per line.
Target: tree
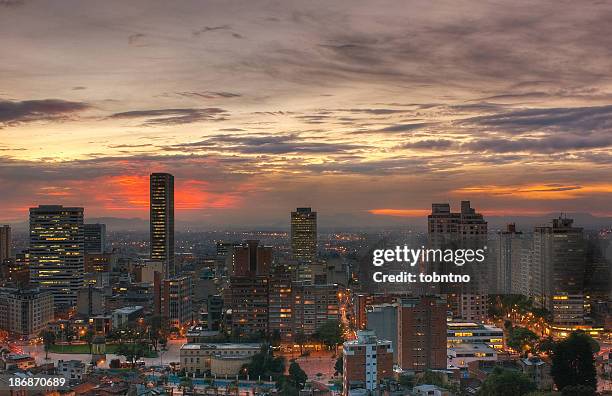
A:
x,y
297,376
48,338
432,378
573,362
132,352
286,388
264,364
406,381
506,383
275,338
522,339
157,329
547,345
578,390
331,333
339,366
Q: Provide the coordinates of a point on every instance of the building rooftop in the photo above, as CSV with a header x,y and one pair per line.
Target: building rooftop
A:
x,y
129,310
220,346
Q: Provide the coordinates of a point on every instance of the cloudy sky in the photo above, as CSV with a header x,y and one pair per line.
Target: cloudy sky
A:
x,y
361,109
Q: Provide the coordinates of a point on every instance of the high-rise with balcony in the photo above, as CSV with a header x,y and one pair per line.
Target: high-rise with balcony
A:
x,y
162,220
509,245
304,235
466,229
57,251
367,362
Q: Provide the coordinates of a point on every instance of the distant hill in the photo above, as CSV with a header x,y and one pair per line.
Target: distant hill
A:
x,y
343,221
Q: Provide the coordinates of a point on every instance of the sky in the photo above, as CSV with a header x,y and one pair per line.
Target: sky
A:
x,y
364,110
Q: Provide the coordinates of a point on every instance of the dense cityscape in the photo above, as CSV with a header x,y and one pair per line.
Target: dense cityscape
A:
x,y
297,312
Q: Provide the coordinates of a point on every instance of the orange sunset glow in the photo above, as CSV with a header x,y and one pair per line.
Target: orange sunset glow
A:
x,y
367,111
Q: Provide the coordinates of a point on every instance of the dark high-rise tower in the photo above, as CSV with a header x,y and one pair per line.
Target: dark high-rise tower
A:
x,y
162,220
95,238
57,251
304,234
5,243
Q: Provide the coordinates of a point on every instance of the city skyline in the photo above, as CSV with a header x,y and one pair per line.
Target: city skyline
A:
x,y
368,112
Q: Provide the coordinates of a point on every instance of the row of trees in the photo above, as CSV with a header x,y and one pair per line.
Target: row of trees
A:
x,y
265,365
331,334
573,370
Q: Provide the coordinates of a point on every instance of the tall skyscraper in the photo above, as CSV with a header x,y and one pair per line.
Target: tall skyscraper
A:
x,y
558,269
95,238
304,235
5,243
421,333
175,300
508,251
57,251
162,221
466,229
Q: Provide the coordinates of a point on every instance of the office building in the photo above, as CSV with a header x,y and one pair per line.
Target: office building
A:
x,y
558,268
474,333
314,305
95,238
122,317
280,298
382,320
509,245
421,324
466,229
249,259
100,262
247,299
175,301
162,221
90,301
25,312
361,301
304,235
460,355
57,251
367,361
211,313
5,243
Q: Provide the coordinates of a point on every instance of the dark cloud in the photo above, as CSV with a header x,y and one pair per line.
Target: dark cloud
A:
x,y
268,144
573,119
549,144
403,127
38,110
209,94
175,116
